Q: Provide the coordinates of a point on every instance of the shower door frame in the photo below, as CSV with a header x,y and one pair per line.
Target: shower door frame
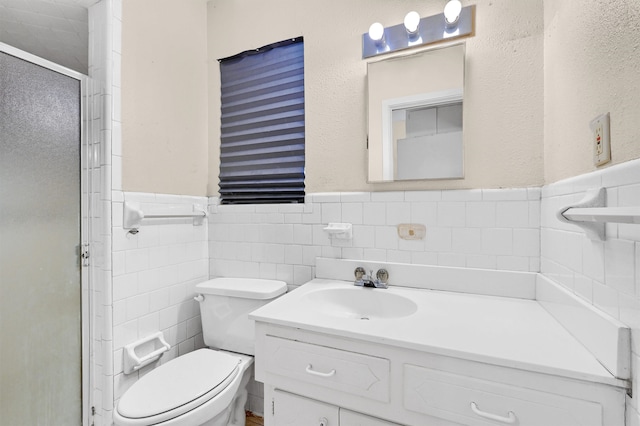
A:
x,y
87,163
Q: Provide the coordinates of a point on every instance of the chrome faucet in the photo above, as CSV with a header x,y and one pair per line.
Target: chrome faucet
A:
x,y
364,280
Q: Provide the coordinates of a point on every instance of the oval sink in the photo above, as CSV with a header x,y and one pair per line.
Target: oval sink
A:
x,y
359,303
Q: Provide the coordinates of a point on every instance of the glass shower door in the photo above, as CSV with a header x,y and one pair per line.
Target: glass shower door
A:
x,y
40,271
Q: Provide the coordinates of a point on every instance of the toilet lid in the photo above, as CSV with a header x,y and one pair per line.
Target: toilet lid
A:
x,y
200,374
247,288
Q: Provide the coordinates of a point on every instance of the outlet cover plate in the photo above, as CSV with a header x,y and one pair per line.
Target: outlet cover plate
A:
x,y
600,127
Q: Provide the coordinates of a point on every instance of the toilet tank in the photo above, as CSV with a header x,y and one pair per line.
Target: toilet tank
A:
x,y
225,304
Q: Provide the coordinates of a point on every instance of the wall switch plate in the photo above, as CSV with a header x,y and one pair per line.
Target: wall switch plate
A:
x,y
411,231
601,139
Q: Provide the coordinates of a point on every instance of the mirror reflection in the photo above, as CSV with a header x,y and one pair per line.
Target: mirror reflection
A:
x,y
415,116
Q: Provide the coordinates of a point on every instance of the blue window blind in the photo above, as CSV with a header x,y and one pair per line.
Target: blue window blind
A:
x,y
262,125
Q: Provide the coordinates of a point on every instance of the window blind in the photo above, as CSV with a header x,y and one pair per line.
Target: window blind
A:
x,y
262,125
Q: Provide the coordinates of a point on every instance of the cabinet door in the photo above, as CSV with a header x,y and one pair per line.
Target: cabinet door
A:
x,y
351,418
294,410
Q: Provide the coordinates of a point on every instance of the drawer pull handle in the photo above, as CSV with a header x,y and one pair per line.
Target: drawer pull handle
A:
x,y
317,373
511,419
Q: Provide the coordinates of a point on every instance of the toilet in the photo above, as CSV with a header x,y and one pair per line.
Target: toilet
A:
x,y
206,387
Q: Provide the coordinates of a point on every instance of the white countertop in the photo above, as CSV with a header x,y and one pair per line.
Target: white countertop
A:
x,y
502,331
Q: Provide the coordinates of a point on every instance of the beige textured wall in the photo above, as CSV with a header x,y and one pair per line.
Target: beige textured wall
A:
x,y
592,66
164,96
503,92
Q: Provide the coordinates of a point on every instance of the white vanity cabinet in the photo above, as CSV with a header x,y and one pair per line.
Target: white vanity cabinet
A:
x,y
313,378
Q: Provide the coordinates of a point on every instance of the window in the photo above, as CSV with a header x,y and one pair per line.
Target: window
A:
x,y
262,125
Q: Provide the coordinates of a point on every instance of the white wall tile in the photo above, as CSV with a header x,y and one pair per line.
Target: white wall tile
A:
x,y
125,286
462,195
331,212
293,255
302,234
410,245
388,196
526,242
438,239
302,274
398,256
352,213
386,237
374,213
355,197
512,214
622,174
583,286
593,259
620,265
481,215
325,197
513,263
419,196
375,254
424,258
497,241
424,212
398,212
509,194
451,259
451,214
137,306
482,261
606,298
466,240
285,273
136,260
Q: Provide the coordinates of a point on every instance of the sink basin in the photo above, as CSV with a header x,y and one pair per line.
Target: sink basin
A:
x,y
359,303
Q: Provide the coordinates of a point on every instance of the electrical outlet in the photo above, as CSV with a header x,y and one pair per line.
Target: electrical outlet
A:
x,y
601,139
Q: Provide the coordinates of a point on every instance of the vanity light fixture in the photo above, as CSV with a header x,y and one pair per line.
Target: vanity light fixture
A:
x,y
455,22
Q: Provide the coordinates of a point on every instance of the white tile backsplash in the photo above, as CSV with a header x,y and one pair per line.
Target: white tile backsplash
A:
x,y
462,229
603,273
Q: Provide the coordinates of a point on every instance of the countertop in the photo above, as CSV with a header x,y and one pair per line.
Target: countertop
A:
x,y
503,331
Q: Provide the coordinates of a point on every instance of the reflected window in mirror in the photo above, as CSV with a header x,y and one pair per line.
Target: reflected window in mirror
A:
x,y
415,116
428,142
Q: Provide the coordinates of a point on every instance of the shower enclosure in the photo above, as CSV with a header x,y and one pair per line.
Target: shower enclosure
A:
x,y
43,233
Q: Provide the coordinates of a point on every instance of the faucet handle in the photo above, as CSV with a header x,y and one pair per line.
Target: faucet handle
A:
x,y
359,273
383,276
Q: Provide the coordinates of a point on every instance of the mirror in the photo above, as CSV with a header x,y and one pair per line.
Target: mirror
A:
x,y
415,116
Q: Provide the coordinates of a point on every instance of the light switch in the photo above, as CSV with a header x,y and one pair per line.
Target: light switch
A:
x,y
411,231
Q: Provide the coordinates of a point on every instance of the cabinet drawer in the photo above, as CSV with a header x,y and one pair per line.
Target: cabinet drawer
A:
x,y
479,402
294,410
348,372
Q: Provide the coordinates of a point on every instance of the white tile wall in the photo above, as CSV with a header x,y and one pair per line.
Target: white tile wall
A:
x,y
101,370
491,229
154,275
605,273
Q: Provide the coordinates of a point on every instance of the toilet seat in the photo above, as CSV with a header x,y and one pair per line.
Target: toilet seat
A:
x,y
177,387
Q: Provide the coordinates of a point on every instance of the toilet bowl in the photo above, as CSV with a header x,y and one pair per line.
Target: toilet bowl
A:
x,y
206,386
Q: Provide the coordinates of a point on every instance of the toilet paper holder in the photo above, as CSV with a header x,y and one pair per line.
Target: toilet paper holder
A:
x,y
144,351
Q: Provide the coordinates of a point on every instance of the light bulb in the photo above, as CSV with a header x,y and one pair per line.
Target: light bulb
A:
x,y
411,22
376,32
452,12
